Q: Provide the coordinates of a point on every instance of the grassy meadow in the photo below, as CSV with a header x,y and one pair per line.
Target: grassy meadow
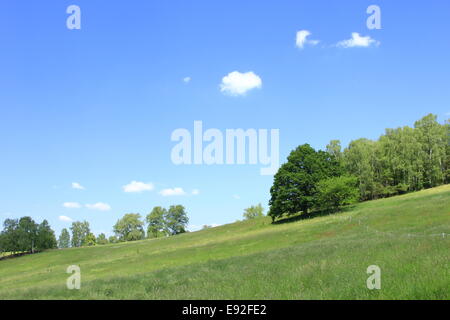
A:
x,y
324,257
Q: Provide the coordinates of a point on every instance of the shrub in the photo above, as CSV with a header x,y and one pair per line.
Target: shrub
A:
x,y
336,192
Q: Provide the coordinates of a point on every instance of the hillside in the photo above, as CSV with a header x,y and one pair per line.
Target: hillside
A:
x,y
320,258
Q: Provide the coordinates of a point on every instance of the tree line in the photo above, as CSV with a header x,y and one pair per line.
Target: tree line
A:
x,y
402,160
26,236
160,222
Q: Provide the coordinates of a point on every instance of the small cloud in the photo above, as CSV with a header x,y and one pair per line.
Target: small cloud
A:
x,y
447,114
76,185
71,205
187,79
100,206
195,192
236,196
136,186
65,219
301,39
237,83
358,41
172,192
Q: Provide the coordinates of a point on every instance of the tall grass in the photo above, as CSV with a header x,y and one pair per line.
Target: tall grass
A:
x,y
319,258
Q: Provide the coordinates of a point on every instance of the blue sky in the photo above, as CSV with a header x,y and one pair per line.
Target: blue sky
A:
x,y
97,106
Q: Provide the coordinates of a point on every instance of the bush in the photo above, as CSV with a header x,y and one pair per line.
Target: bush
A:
x,y
253,212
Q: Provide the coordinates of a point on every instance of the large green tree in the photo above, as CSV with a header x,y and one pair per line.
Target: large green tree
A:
x,y
295,184
27,235
176,219
130,227
80,231
45,237
433,139
9,236
156,221
64,239
360,160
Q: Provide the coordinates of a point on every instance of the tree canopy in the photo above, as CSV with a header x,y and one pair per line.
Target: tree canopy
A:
x,y
176,219
24,235
130,227
64,239
80,232
156,221
253,212
402,160
295,184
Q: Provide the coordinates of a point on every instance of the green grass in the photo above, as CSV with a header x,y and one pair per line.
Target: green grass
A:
x,y
321,258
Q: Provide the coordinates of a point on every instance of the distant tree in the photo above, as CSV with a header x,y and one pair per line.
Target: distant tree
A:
x,y
2,243
336,192
206,226
361,160
253,212
334,149
130,227
45,237
176,220
447,152
101,239
64,239
91,240
113,239
24,235
295,184
80,231
10,235
433,139
156,223
27,235
399,166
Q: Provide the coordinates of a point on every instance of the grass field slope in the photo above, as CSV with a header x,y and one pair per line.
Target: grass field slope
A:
x,y
324,257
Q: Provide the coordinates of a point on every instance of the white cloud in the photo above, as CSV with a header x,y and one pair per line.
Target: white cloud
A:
x,y
236,196
447,114
301,39
187,79
76,185
65,219
237,83
358,41
71,205
100,206
195,192
136,186
172,192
